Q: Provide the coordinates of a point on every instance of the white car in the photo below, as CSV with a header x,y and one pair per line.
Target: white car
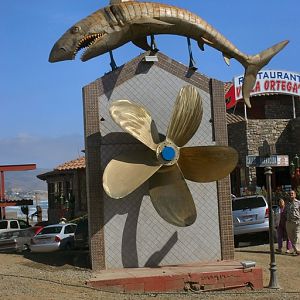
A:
x,y
14,224
251,217
53,238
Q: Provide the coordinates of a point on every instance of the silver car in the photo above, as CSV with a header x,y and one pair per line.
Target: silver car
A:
x,y
250,216
53,238
16,240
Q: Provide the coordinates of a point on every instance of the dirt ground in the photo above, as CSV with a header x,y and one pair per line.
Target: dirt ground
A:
x,y
40,276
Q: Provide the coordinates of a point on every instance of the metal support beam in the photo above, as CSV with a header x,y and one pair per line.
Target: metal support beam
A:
x,y
26,167
245,112
294,107
113,64
153,44
8,168
192,63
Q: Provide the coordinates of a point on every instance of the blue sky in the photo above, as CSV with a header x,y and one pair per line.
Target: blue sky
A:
x,y
41,103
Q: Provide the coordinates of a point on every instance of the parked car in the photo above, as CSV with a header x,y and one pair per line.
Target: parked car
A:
x,y
54,237
250,216
13,224
39,226
16,240
81,236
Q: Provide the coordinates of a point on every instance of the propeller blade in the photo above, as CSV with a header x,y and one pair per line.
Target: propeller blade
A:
x,y
207,163
171,196
135,120
187,116
126,172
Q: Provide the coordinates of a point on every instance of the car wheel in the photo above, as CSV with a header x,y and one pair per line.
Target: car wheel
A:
x,y
68,246
26,248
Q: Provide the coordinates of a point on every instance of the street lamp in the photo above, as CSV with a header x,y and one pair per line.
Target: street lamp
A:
x,y
273,283
295,172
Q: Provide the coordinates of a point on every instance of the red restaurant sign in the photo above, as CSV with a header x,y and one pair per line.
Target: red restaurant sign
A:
x,y
267,82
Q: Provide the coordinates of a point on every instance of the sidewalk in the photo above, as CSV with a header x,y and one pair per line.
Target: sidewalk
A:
x,y
288,266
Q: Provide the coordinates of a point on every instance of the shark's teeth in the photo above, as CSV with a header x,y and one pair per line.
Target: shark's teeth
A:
x,y
87,41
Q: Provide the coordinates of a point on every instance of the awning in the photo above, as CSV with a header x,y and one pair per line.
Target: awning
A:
x,y
20,202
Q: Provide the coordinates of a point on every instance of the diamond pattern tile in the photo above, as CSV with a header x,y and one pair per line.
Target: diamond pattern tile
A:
x,y
135,235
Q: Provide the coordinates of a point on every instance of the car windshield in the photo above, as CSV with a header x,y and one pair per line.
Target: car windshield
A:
x,y
53,229
3,224
248,203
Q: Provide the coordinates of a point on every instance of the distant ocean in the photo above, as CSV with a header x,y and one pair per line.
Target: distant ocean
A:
x,y
15,211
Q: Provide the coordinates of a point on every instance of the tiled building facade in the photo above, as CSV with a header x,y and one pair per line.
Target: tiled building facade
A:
x,y
129,232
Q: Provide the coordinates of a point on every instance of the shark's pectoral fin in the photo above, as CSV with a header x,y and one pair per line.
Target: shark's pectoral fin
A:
x,y
201,44
226,59
149,21
142,43
206,41
201,41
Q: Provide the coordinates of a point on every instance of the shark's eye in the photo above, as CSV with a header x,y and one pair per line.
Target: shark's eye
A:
x,y
75,29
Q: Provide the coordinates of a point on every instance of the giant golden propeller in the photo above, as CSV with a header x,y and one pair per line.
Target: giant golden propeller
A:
x,y
166,164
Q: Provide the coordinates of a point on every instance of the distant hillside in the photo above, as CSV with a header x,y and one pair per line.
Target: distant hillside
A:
x,y
25,181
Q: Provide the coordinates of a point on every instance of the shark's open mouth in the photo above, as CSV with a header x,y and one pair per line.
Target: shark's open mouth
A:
x,y
87,42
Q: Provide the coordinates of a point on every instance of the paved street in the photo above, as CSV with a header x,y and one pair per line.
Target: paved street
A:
x,y
54,276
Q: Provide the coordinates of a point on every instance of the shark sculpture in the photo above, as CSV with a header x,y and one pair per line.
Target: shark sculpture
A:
x,y
124,21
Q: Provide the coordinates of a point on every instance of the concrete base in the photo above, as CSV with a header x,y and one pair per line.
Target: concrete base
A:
x,y
210,276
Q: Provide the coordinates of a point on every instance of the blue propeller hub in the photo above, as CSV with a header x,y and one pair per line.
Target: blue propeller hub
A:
x,y
168,153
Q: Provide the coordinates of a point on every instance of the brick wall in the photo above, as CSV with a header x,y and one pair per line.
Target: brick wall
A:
x,y
248,136
275,131
238,139
278,107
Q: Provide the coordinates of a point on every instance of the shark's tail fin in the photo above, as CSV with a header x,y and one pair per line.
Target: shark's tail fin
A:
x,y
254,64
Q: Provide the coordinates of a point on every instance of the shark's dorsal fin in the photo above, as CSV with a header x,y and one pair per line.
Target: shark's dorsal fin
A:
x,y
112,2
227,59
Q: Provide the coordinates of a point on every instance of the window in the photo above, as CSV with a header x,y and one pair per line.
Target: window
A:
x,y
3,225
14,224
23,224
49,230
70,229
248,203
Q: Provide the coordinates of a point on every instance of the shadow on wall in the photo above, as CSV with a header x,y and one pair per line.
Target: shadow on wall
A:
x,y
129,247
286,142
130,207
129,253
156,258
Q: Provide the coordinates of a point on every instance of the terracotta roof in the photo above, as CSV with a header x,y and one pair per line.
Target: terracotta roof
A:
x,y
232,118
78,163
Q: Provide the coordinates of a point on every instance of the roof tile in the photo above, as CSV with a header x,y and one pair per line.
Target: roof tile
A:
x,y
78,163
